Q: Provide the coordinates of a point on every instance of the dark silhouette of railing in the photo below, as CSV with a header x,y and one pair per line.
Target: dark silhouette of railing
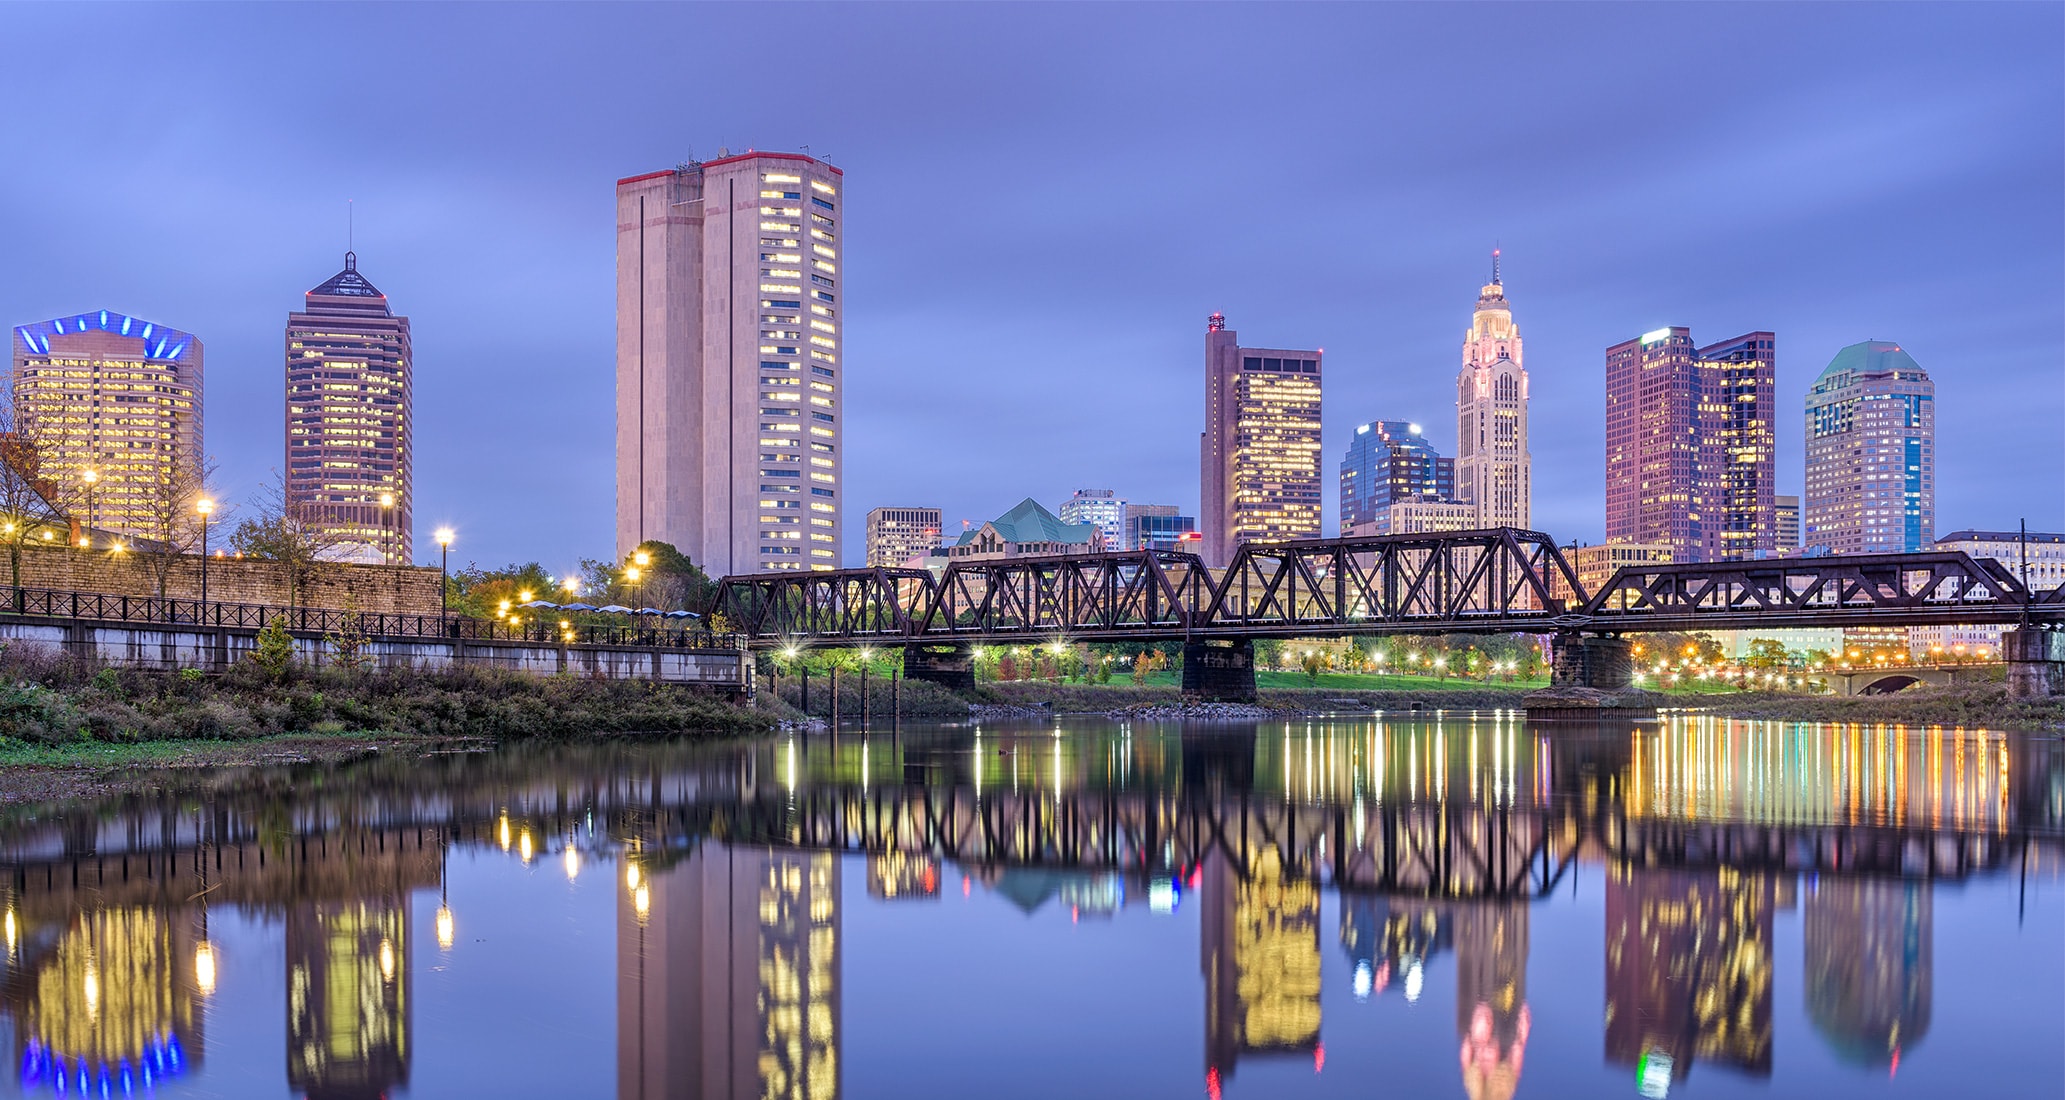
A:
x,y
143,611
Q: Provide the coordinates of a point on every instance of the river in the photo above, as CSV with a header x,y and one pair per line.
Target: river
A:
x,y
1451,905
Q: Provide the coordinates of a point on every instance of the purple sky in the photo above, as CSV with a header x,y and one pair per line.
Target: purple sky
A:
x,y
1045,202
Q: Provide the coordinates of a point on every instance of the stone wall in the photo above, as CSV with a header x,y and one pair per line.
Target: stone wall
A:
x,y
385,588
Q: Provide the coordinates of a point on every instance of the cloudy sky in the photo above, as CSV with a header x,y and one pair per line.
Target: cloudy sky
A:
x,y
1044,203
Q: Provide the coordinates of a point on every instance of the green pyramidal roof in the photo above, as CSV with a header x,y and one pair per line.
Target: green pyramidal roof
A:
x,y
1869,357
1029,522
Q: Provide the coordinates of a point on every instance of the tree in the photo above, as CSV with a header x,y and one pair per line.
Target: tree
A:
x,y
291,536
349,641
1766,653
169,527
30,508
274,651
666,580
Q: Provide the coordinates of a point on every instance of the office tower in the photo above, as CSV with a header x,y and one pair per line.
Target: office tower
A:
x,y
1785,511
1870,964
728,964
1596,565
1389,462
896,535
1493,469
1871,453
1259,454
112,404
1159,527
729,436
1421,517
1688,446
1100,507
349,367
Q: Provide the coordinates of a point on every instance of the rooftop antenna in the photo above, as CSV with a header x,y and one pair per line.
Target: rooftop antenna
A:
x,y
1495,265
351,225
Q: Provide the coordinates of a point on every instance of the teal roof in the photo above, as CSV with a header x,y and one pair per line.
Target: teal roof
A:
x,y
1029,522
1869,357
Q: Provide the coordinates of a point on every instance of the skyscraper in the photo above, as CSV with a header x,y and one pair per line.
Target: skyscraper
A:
x,y
728,362
1493,469
1785,511
1259,454
1871,453
349,366
1688,445
1390,462
1159,527
1101,507
896,535
113,405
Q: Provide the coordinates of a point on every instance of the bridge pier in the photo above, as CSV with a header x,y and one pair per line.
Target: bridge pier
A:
x,y
950,666
2036,662
1220,671
1593,662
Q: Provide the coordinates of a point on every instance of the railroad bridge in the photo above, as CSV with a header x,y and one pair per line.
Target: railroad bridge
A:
x,y
1494,581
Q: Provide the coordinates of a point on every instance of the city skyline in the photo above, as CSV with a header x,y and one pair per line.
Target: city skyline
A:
x,y
519,413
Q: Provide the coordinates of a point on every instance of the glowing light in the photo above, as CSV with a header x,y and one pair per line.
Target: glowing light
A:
x,y
387,959
443,536
1656,335
631,876
13,932
204,967
1414,979
641,900
502,833
204,506
92,989
444,927
572,860
1363,981
523,846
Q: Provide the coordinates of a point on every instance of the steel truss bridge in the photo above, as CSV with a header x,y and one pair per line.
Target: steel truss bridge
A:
x,y
1492,581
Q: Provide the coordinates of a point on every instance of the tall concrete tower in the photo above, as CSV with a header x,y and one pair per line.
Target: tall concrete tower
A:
x,y
1493,467
729,339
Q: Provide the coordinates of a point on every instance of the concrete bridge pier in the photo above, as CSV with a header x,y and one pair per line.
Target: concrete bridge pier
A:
x,y
1220,670
1591,661
950,666
2036,662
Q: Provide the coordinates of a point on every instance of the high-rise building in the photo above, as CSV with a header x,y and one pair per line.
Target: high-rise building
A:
x,y
1689,457
1389,462
1596,565
1871,453
1493,469
1785,511
896,535
729,336
1101,507
1159,527
112,404
1419,517
1259,454
349,366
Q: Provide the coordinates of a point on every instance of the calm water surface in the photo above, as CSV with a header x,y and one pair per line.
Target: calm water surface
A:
x,y
1466,906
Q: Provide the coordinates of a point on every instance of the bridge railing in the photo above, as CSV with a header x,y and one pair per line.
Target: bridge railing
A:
x,y
112,608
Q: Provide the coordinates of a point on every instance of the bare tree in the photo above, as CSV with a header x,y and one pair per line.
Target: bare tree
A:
x,y
294,537
169,524
31,508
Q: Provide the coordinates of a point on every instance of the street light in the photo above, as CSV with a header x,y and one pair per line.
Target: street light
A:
x,y
444,573
91,478
206,508
387,522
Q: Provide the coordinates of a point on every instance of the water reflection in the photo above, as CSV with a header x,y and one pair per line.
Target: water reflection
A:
x,y
1436,841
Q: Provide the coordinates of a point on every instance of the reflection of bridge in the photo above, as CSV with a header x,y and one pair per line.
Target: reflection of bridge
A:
x,y
1493,581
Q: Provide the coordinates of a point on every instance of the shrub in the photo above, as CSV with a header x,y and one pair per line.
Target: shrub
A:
x,y
275,650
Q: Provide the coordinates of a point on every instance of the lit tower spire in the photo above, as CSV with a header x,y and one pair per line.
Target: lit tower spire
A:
x,y
1493,467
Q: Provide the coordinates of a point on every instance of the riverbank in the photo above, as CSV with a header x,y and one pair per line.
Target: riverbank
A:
x,y
1984,706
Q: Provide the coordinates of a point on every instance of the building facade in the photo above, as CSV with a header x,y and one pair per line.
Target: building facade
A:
x,y
896,535
1595,565
1493,469
1159,527
1420,517
1871,453
1389,462
113,406
1259,453
1689,459
349,370
730,438
1101,507
1785,513
2038,556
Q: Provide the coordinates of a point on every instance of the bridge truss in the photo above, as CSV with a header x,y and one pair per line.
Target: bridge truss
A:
x,y
1498,580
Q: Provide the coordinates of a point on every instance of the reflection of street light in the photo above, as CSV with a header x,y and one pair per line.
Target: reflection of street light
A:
x,y
204,967
572,859
444,927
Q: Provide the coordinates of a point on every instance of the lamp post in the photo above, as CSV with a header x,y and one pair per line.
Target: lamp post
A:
x,y
444,574
206,508
92,479
387,527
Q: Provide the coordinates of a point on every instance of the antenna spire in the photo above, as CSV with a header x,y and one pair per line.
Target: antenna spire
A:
x,y
1495,266
351,225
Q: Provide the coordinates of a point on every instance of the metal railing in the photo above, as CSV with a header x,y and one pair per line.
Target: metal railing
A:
x,y
103,607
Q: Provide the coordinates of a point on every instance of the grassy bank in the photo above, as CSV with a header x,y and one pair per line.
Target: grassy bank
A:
x,y
1981,705
51,706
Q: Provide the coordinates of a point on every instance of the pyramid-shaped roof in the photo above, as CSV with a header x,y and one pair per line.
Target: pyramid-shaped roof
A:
x,y
1030,522
348,283
1869,357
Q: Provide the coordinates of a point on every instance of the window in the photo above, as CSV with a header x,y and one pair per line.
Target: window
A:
x,y
825,371
779,177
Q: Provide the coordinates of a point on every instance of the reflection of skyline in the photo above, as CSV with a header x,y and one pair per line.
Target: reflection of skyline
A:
x,y
348,998
1870,965
1259,938
1688,971
728,977
1492,1016
1390,942
111,998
